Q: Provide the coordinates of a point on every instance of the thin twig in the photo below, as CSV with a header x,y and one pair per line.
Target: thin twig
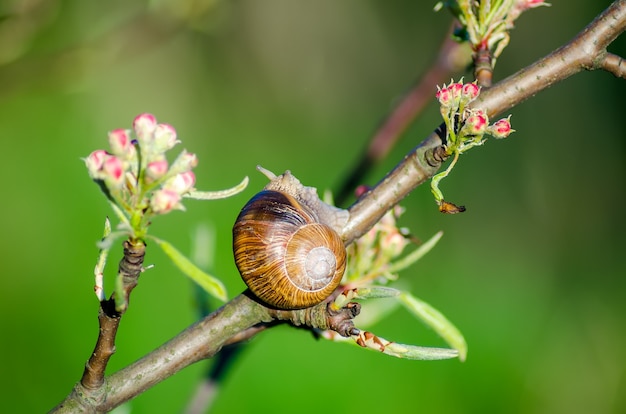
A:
x,y
614,64
452,58
130,268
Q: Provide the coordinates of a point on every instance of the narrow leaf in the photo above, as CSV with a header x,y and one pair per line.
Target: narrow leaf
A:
x,y
434,319
215,195
420,353
376,292
373,342
98,271
371,292
209,283
415,255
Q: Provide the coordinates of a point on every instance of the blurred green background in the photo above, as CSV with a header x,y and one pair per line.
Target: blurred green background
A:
x,y
533,272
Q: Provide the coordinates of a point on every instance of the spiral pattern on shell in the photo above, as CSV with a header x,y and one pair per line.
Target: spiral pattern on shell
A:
x,y
283,254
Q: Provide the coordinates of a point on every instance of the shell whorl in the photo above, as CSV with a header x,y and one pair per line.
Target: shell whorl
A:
x,y
285,256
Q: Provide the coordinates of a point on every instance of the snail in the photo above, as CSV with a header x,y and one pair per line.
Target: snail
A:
x,y
286,244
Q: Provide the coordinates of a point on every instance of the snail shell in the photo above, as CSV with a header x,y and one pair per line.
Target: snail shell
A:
x,y
286,256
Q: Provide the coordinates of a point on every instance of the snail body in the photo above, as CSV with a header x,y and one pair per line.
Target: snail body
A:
x,y
286,248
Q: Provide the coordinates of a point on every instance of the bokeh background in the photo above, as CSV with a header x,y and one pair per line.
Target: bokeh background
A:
x,y
533,272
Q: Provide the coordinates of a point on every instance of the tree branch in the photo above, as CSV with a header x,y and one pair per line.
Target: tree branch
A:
x,y
130,268
452,57
614,64
240,317
587,50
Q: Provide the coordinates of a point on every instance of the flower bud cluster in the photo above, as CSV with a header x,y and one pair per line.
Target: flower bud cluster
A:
x,y
457,94
371,254
135,173
466,125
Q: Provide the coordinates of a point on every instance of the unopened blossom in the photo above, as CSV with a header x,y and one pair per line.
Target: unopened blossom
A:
x,y
164,138
184,162
156,169
501,128
456,89
164,200
144,126
476,124
393,243
113,171
120,143
94,163
181,183
470,91
444,96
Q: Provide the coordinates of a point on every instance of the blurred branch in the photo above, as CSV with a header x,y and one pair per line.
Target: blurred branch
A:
x,y
452,57
128,40
586,51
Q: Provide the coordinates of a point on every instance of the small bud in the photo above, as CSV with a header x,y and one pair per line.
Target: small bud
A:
x,y
94,163
444,96
476,124
164,138
181,183
361,190
470,91
184,162
393,244
144,126
530,4
163,201
156,169
501,128
456,89
113,171
119,140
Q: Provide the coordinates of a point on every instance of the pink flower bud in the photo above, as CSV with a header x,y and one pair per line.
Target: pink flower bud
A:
x,y
181,183
144,125
394,243
113,171
501,128
119,140
444,96
163,201
455,89
529,4
156,169
94,162
184,162
470,91
476,124
164,138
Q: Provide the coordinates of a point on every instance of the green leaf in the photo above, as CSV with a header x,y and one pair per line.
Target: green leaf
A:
x,y
377,343
415,255
98,271
209,283
420,353
375,292
215,195
434,319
